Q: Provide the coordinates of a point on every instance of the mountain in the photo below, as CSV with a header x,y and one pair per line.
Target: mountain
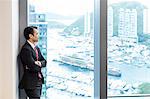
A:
x,y
54,24
129,5
78,25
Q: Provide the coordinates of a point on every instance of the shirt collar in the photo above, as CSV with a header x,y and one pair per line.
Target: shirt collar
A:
x,y
32,45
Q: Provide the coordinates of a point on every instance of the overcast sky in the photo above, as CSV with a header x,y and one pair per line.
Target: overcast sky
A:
x,y
64,7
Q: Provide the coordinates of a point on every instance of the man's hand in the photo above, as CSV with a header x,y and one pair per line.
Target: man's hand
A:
x,y
38,63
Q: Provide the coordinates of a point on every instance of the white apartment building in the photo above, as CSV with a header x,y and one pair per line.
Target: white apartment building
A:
x,y
127,25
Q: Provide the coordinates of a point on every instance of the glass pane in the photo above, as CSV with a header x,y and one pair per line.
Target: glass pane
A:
x,y
128,48
67,42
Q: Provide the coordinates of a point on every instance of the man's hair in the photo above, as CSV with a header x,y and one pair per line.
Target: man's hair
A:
x,y
29,30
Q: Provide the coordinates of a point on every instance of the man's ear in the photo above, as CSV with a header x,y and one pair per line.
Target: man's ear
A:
x,y
30,35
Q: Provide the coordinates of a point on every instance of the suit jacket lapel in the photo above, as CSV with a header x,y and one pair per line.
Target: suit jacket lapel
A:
x,y
30,47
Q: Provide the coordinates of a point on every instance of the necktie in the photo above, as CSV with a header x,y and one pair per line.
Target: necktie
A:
x,y
37,55
37,58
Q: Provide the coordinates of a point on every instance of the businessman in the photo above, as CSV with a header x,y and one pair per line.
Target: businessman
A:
x,y
32,60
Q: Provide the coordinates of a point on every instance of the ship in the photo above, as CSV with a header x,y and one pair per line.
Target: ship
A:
x,y
79,59
112,71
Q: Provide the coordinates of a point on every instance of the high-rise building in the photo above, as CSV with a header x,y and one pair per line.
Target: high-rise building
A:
x,y
127,24
126,19
110,21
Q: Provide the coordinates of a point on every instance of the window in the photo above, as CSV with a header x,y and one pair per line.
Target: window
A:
x,y
66,38
32,19
127,43
128,48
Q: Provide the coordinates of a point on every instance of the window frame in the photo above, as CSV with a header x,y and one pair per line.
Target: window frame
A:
x,y
102,48
100,73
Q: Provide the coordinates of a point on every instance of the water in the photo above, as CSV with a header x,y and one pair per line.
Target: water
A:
x,y
132,73
65,81
69,81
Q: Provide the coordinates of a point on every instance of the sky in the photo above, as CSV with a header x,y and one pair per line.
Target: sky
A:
x,y
64,7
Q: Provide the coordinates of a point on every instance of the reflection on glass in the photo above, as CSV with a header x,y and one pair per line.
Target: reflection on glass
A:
x,y
66,32
128,47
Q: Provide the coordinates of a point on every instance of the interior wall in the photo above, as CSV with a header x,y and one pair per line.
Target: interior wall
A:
x,y
9,31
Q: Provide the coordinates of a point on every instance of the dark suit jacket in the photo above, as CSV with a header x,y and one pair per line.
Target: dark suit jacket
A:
x,y
30,77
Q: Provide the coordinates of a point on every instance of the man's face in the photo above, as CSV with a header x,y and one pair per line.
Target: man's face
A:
x,y
35,35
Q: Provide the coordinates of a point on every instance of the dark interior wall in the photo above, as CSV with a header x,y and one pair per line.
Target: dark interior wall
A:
x,y
22,25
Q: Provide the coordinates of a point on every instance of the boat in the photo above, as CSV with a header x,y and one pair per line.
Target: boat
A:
x,y
78,59
79,53
114,72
